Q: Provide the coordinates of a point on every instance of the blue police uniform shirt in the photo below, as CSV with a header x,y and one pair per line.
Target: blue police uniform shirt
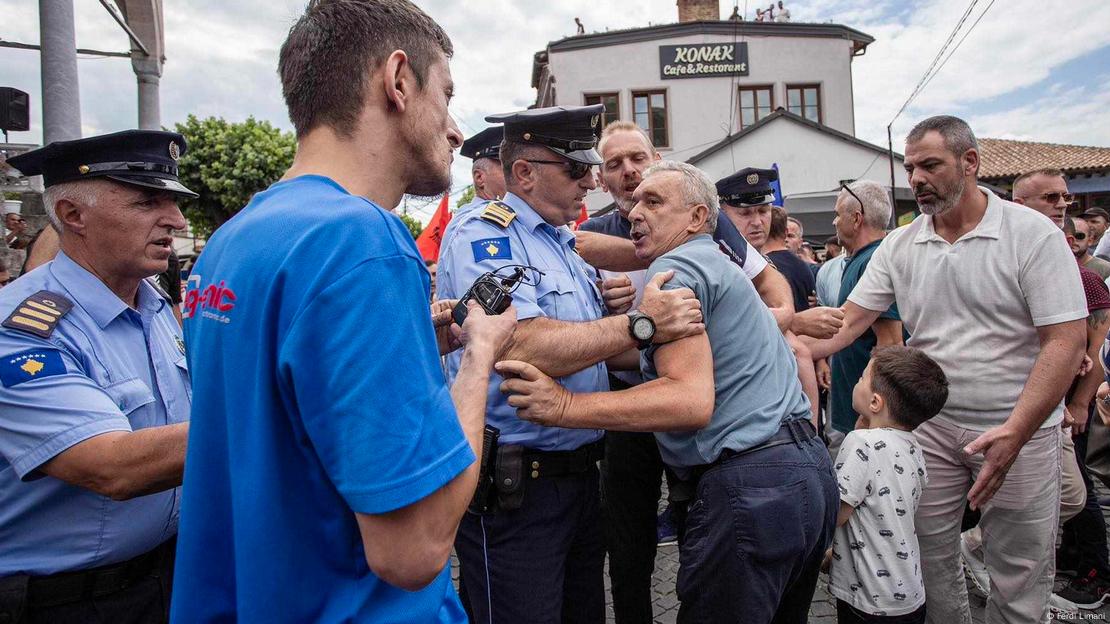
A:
x,y
105,367
319,394
755,374
566,292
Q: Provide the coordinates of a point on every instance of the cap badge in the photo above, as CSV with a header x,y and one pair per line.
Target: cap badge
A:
x,y
594,120
83,169
753,178
175,151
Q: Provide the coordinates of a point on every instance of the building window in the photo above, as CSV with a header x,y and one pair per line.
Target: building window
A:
x,y
804,100
611,101
755,104
649,109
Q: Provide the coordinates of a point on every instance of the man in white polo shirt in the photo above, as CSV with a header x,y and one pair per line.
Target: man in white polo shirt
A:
x,y
990,291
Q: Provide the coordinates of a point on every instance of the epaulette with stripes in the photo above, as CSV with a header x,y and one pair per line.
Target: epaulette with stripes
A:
x,y
498,214
39,314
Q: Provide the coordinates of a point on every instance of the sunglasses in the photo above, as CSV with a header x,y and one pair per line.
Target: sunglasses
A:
x,y
1080,236
1054,198
854,196
575,169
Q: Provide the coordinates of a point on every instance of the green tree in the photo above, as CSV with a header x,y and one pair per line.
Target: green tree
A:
x,y
412,224
466,196
226,164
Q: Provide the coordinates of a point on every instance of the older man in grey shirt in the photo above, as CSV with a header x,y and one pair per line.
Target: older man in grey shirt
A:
x,y
728,412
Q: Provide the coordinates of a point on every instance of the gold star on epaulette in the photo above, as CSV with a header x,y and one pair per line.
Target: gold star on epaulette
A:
x,y
39,314
498,214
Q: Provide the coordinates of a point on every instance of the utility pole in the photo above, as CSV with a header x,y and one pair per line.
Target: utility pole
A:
x,y
61,103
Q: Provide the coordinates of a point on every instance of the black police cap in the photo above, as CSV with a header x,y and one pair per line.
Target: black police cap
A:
x,y
485,144
747,187
570,131
146,158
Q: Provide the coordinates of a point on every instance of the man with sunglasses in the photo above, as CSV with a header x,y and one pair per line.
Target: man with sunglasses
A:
x,y
1081,247
1045,191
537,554
15,231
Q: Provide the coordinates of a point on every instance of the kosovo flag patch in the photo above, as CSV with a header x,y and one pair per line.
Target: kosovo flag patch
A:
x,y
29,365
491,249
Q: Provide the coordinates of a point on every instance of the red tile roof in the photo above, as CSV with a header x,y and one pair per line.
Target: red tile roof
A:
x,y
1006,158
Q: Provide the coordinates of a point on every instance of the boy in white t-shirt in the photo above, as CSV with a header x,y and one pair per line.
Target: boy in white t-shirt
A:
x,y
876,573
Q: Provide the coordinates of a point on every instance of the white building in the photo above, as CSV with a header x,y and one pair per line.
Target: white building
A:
x,y
725,95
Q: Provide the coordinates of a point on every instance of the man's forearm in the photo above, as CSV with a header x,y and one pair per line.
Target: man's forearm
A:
x,y
559,348
856,321
774,290
609,253
658,405
124,465
1088,384
1052,374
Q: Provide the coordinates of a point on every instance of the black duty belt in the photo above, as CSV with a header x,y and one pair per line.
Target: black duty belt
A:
x,y
68,587
539,464
791,431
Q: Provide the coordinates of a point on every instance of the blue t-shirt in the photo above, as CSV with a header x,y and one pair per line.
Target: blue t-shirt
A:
x,y
300,317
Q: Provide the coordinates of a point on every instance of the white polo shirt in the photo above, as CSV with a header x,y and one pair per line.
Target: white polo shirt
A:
x,y
974,306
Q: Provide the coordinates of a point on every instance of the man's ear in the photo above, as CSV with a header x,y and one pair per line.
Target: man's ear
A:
x,y
970,162
397,80
522,174
600,180
71,216
698,216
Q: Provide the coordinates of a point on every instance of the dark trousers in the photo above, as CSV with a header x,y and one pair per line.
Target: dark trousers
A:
x,y
631,479
755,536
144,600
847,614
1085,534
542,563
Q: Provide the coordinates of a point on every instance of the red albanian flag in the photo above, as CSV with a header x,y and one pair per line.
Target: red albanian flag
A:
x,y
429,240
582,216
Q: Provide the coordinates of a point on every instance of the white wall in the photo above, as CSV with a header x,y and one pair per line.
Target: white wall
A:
x,y
699,109
809,160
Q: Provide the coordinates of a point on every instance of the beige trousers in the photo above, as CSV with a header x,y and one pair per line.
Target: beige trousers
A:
x,y
1019,526
1073,493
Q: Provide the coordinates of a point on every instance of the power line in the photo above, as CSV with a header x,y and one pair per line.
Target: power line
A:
x,y
958,44
928,72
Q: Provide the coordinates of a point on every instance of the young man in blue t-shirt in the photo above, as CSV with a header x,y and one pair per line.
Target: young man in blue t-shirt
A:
x,y
329,464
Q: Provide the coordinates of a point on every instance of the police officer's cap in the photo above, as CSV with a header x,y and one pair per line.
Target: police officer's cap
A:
x,y
146,158
570,131
748,187
485,144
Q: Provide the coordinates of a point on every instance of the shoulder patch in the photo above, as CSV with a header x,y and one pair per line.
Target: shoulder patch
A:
x,y
39,314
492,249
16,368
498,214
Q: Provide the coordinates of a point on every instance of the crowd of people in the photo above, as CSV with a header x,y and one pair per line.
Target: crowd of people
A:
x,y
304,438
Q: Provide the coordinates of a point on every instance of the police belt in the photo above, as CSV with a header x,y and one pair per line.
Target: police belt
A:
x,y
68,587
540,464
791,431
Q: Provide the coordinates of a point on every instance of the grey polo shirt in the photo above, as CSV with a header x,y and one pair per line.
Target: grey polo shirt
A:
x,y
754,371
975,305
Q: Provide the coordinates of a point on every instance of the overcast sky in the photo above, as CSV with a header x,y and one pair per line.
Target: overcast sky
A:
x,y
1031,69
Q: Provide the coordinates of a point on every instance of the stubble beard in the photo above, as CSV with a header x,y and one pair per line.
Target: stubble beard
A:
x,y
951,198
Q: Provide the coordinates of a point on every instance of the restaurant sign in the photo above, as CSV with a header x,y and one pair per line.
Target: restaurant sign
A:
x,y
703,60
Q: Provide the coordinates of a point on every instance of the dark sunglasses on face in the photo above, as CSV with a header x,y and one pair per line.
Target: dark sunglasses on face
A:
x,y
1054,198
1080,236
575,169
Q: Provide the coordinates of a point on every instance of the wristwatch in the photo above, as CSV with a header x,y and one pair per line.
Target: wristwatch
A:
x,y
641,328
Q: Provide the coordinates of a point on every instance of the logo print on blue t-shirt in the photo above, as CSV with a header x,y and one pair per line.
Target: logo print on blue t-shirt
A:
x,y
491,249
17,368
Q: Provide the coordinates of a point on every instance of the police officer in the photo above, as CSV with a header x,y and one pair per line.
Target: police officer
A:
x,y
488,178
94,390
538,555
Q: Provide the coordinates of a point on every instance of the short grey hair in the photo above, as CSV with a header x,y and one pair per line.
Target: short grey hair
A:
x,y
697,188
958,137
84,192
876,202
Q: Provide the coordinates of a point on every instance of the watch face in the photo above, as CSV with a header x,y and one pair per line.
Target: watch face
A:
x,y
643,328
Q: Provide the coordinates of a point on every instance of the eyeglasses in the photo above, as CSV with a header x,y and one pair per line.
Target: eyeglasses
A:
x,y
575,169
1080,236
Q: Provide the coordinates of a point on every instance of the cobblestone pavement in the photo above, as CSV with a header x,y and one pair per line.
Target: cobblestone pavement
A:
x,y
823,609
